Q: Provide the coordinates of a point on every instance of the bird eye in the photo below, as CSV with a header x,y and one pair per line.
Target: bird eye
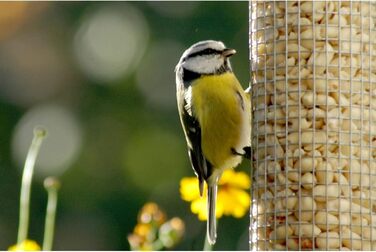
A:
x,y
209,51
206,51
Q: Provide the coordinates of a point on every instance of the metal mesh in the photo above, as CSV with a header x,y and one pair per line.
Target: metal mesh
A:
x,y
313,69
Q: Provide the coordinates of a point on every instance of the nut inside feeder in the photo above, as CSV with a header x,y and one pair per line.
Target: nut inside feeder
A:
x,y
313,70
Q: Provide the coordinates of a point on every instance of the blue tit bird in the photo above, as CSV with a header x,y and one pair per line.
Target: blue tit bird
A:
x,y
214,112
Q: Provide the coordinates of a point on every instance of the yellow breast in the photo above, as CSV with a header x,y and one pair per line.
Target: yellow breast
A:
x,y
217,106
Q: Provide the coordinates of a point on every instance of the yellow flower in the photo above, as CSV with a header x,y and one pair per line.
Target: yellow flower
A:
x,y
153,231
151,213
233,196
27,245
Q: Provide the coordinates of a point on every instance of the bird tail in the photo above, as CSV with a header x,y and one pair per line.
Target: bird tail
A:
x,y
212,222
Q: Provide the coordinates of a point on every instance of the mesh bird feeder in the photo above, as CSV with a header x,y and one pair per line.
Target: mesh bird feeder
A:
x,y
313,69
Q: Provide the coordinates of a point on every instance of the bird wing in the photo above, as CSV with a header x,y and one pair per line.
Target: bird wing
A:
x,y
192,132
193,135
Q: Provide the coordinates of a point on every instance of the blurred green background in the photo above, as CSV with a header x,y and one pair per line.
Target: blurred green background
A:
x,y
100,77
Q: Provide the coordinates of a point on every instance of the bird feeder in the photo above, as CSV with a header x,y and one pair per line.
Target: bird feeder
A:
x,y
313,71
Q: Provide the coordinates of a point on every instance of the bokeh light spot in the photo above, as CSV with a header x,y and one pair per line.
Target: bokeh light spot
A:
x,y
156,77
32,69
154,157
60,147
174,9
110,42
12,16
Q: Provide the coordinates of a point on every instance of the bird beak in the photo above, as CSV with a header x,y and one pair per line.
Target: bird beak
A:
x,y
228,52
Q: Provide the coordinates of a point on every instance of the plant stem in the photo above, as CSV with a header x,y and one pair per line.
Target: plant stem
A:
x,y
49,226
39,134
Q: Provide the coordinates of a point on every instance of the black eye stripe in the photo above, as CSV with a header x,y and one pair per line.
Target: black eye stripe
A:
x,y
206,51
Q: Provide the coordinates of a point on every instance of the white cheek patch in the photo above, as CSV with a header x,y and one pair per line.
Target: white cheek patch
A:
x,y
207,64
